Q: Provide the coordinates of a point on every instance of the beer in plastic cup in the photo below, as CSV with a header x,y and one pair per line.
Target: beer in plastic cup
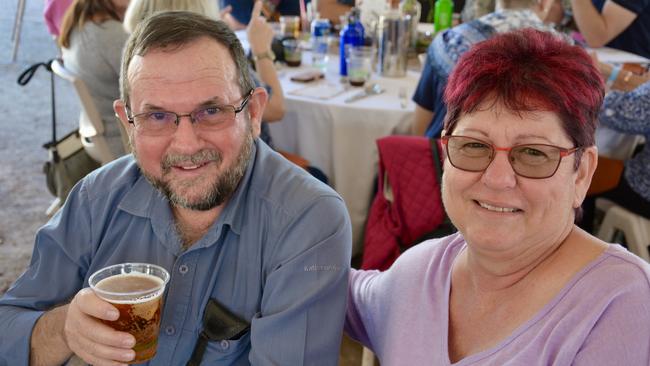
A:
x,y
135,289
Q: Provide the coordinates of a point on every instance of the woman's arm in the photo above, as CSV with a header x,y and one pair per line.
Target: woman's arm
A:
x,y
600,28
260,37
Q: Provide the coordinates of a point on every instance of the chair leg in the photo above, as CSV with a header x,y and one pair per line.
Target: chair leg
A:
x,y
367,357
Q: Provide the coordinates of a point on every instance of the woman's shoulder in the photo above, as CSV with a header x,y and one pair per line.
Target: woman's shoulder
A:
x,y
620,266
430,260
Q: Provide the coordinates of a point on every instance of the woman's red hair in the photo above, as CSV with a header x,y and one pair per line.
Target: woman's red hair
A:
x,y
529,70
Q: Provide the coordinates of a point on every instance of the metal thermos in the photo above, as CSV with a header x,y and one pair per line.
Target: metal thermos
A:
x,y
394,35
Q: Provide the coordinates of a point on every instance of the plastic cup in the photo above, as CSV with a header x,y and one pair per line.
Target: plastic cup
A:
x,y
290,26
292,53
319,52
360,61
135,289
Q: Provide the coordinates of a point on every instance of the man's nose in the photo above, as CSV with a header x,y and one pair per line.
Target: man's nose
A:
x,y
185,134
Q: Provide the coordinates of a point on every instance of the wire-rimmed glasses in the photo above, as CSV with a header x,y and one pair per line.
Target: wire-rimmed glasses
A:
x,y
536,161
209,118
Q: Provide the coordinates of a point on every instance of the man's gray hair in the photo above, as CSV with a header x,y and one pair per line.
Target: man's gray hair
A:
x,y
173,29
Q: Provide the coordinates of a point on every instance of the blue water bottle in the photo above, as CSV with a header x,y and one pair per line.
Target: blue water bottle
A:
x,y
351,36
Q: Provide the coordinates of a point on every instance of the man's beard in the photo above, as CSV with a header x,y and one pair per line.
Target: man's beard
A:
x,y
225,184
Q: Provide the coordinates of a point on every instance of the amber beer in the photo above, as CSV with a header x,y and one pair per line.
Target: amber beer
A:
x,y
136,290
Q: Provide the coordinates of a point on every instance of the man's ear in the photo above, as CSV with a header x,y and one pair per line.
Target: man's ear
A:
x,y
256,105
588,164
120,112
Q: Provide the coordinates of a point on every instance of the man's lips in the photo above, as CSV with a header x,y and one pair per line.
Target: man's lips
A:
x,y
191,167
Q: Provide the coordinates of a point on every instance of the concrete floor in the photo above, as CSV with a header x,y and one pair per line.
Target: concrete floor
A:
x,y
24,127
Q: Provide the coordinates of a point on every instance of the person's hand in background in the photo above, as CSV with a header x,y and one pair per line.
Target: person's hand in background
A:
x,y
227,17
259,31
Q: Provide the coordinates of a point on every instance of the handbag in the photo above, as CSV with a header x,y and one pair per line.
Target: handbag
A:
x,y
68,162
407,207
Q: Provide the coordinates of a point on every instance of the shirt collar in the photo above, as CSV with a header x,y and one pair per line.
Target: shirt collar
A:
x,y
146,201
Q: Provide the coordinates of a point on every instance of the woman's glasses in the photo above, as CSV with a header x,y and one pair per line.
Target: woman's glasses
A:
x,y
536,161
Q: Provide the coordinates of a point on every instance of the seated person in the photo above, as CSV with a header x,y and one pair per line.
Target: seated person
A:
x,y
628,113
239,12
201,196
53,13
620,24
91,43
520,283
449,45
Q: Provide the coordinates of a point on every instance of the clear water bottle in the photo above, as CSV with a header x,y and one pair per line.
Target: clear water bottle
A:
x,y
352,35
413,10
320,32
444,11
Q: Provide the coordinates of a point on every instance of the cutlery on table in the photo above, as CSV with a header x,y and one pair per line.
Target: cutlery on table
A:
x,y
371,89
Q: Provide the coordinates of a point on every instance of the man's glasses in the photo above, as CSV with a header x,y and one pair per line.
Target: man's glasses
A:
x,y
536,161
208,118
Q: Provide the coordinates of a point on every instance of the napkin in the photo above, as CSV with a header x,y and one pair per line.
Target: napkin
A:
x,y
323,91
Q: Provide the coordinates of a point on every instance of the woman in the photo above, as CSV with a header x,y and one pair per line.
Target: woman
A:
x,y
448,46
91,40
519,284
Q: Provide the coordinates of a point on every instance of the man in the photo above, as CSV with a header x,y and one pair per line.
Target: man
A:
x,y
235,222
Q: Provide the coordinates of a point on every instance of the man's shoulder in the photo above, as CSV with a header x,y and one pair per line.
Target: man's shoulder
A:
x,y
118,175
284,184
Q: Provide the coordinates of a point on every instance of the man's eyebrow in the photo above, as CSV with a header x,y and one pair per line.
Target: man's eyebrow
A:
x,y
208,102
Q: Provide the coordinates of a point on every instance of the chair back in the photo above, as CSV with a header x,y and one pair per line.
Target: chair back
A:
x,y
91,126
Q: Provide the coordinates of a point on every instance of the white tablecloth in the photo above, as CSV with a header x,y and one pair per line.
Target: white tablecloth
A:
x,y
339,138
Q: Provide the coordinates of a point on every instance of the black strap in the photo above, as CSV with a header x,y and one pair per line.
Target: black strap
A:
x,y
26,76
199,350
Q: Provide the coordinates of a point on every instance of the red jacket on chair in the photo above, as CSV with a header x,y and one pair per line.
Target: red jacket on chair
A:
x,y
408,205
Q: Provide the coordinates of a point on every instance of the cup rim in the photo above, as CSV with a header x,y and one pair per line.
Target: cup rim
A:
x,y
132,293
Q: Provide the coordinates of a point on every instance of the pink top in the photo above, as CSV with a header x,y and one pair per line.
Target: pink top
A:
x,y
53,13
601,317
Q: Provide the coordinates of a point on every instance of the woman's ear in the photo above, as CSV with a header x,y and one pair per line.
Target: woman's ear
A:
x,y
588,164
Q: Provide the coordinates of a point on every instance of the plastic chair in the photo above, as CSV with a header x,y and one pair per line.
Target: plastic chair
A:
x,y
91,126
635,228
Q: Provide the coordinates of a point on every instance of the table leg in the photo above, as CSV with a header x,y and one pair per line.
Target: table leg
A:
x,y
18,24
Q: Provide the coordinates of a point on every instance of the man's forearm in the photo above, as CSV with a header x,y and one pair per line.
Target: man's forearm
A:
x,y
48,345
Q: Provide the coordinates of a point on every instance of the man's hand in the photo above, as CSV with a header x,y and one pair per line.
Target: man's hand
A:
x,y
259,31
93,341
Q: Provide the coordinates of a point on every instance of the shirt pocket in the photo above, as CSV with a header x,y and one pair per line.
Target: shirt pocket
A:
x,y
227,351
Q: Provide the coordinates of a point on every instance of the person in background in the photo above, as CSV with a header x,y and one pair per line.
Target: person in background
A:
x,y
620,24
53,13
627,112
449,45
519,283
239,12
231,220
91,43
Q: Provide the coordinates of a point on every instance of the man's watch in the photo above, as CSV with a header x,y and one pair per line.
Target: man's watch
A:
x,y
260,56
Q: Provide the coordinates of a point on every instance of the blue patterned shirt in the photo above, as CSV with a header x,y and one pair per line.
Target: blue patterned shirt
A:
x,y
630,113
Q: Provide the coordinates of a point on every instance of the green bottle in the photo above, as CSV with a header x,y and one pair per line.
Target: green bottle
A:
x,y
444,10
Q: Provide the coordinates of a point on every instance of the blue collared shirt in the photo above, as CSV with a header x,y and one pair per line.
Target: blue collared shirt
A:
x,y
278,256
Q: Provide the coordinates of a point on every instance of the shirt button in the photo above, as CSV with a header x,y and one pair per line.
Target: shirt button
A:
x,y
225,344
609,112
170,330
183,269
